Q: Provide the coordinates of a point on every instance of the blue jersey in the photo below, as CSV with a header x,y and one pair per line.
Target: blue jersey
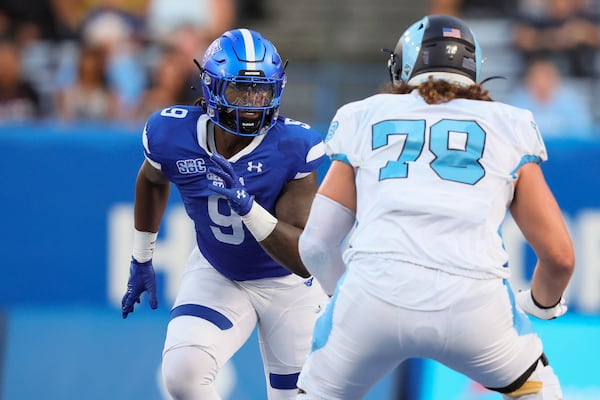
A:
x,y
177,140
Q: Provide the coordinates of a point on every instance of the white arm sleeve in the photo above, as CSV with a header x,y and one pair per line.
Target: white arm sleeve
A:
x,y
328,224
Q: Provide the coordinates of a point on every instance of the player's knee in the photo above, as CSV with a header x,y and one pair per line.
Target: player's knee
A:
x,y
538,382
301,394
542,384
282,386
187,370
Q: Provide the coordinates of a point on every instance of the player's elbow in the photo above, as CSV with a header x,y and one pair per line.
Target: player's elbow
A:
x,y
313,253
322,261
565,264
303,273
562,260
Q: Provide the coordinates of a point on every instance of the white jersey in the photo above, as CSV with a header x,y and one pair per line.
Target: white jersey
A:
x,y
434,181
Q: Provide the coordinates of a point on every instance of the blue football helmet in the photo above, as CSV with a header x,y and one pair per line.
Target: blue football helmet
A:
x,y
438,45
242,78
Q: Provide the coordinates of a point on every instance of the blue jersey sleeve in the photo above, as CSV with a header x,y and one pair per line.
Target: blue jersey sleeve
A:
x,y
170,137
302,144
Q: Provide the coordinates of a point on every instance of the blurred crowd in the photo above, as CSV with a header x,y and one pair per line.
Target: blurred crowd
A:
x,y
122,59
565,31
102,59
559,42
558,46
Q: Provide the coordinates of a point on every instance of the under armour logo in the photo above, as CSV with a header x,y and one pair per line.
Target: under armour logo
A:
x,y
240,194
257,167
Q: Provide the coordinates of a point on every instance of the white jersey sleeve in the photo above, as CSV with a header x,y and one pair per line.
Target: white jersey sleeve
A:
x,y
531,141
344,138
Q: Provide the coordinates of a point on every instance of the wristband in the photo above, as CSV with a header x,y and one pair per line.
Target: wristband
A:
x,y
259,222
143,245
541,306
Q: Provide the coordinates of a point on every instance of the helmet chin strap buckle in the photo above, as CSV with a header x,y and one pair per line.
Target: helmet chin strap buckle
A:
x,y
248,125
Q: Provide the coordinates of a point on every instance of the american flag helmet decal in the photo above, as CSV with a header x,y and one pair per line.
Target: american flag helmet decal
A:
x,y
451,32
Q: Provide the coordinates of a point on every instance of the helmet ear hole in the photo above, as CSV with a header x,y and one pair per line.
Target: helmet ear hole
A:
x,y
390,65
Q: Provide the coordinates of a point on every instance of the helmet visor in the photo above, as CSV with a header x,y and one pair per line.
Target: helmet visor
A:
x,y
249,94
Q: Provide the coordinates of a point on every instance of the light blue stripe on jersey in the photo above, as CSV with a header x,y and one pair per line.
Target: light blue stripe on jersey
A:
x,y
521,321
340,157
503,246
325,322
525,160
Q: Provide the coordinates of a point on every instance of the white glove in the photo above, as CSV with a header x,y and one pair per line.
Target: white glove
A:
x,y
526,302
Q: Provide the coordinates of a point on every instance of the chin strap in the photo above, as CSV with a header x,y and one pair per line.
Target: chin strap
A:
x,y
492,78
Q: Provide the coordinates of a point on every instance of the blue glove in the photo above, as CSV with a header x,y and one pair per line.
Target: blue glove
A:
x,y
141,279
231,187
